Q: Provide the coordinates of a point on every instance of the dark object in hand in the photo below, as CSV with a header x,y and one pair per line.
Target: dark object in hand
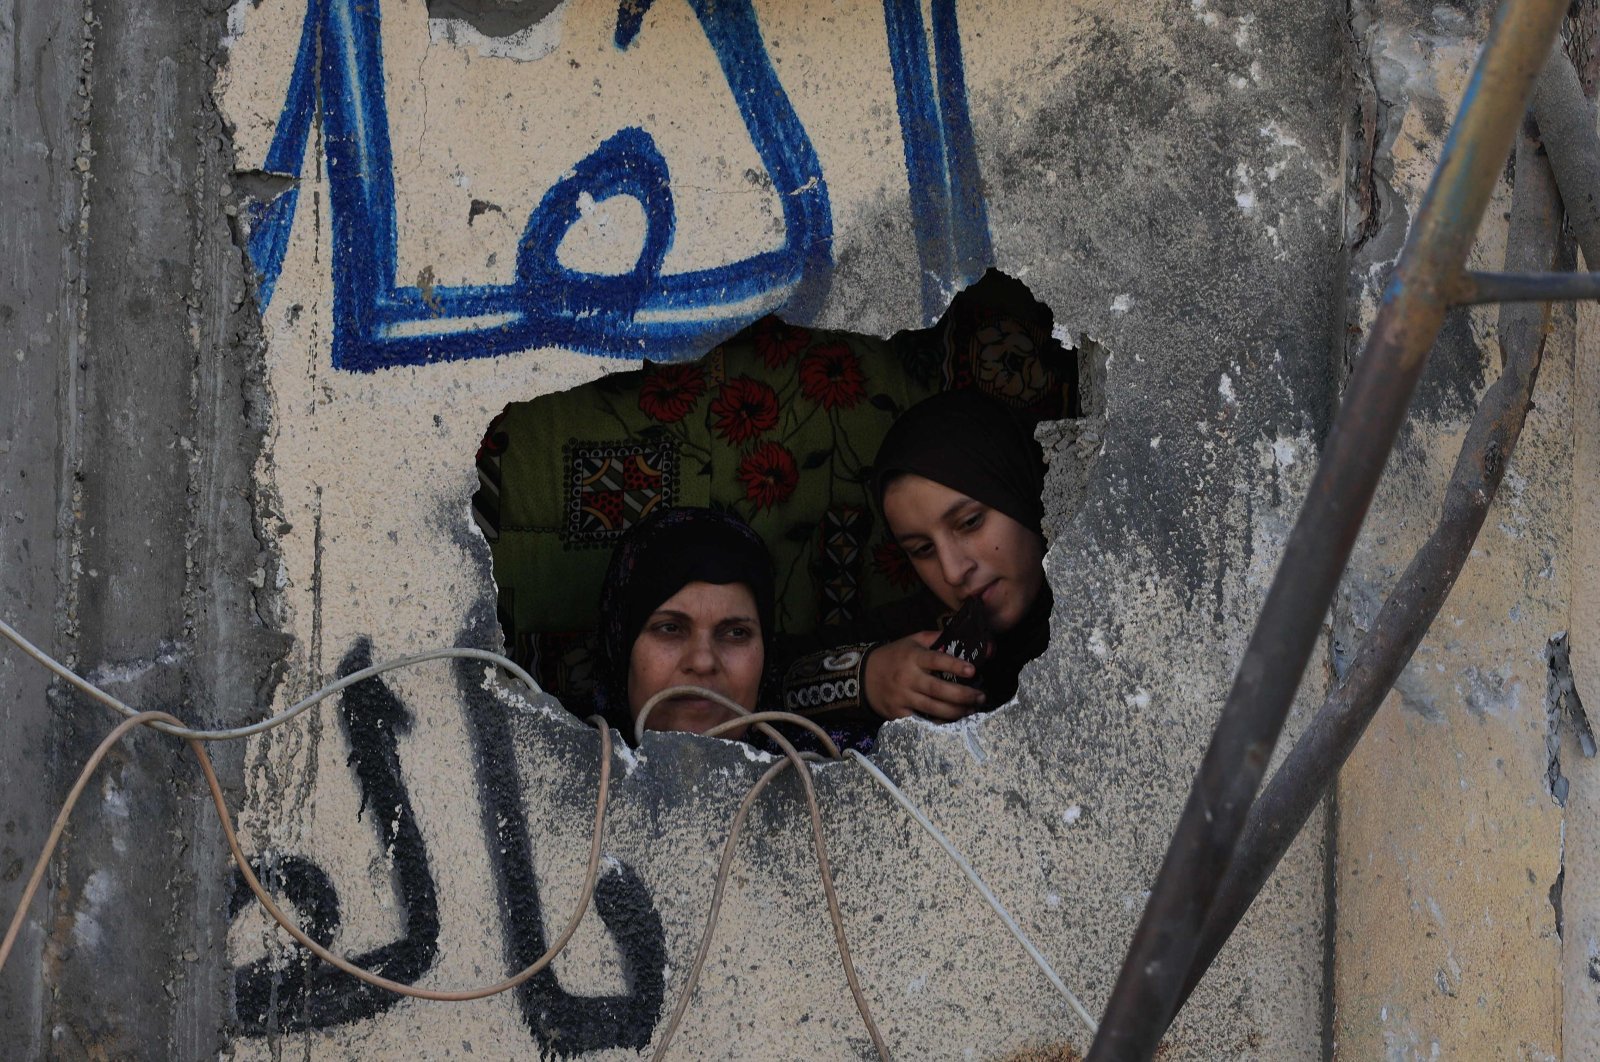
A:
x,y
968,637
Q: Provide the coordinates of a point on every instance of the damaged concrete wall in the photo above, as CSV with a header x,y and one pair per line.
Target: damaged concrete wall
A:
x,y
847,165
130,425
444,214
38,319
1114,158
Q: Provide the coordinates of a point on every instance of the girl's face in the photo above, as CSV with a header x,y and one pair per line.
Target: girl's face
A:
x,y
962,549
707,634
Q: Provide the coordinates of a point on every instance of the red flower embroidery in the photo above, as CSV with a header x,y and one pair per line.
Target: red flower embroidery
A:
x,y
744,408
778,343
669,392
830,375
769,474
891,560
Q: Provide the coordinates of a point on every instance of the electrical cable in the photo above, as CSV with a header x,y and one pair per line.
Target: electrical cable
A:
x,y
983,889
748,717
236,733
792,757
169,724
105,746
591,876
243,863
715,910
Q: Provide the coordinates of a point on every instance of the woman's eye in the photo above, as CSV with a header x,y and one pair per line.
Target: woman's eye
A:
x,y
739,634
972,522
920,551
665,627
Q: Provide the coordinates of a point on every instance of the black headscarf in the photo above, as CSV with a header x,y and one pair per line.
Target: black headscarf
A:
x,y
978,446
975,445
658,556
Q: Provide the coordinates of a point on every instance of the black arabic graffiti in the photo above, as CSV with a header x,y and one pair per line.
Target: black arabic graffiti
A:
x,y
565,1024
308,994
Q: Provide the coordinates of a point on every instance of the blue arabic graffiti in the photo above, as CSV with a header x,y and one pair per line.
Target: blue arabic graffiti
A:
x,y
645,312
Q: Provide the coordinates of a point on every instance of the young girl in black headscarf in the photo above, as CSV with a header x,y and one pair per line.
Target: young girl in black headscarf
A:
x,y
687,601
958,480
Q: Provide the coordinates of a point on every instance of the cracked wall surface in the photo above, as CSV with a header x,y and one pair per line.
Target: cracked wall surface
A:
x,y
285,261
847,166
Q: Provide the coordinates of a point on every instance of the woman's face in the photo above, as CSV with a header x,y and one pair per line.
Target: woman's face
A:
x,y
961,548
707,634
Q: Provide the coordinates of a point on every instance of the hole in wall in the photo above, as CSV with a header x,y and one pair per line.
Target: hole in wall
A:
x,y
779,426
494,18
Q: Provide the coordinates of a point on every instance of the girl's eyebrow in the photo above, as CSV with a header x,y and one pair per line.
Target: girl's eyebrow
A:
x,y
944,517
956,506
683,617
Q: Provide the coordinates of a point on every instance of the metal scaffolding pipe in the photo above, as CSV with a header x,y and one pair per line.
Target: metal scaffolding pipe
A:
x,y
1476,288
1312,766
1374,405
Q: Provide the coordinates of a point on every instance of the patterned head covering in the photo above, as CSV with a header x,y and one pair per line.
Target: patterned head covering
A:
x,y
658,556
973,444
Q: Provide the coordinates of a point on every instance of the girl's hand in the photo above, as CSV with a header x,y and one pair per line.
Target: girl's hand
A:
x,y
901,678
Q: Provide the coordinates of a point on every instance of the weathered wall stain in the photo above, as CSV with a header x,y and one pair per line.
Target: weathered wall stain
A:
x,y
1564,713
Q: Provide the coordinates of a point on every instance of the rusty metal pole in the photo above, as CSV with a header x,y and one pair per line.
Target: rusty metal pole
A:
x,y
1478,288
1312,766
1369,417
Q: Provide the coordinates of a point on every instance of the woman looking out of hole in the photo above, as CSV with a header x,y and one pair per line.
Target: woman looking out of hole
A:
x,y
958,480
687,601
